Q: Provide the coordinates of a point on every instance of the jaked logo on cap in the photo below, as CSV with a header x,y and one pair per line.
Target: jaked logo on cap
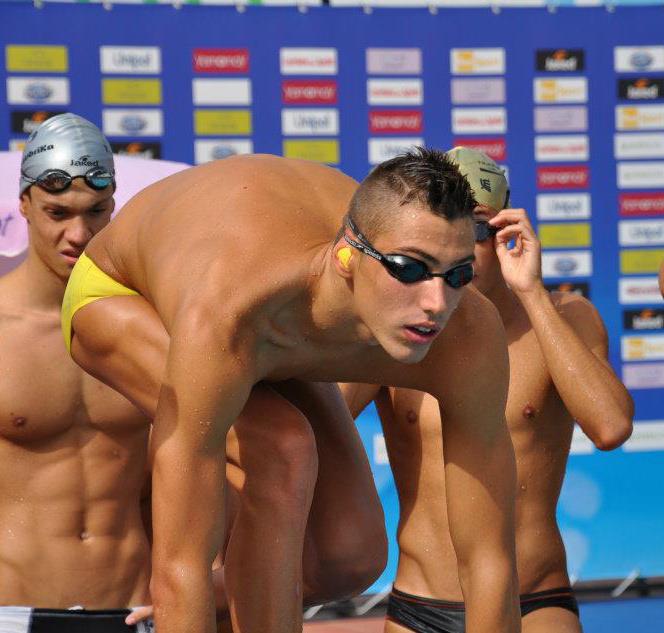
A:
x,y
84,161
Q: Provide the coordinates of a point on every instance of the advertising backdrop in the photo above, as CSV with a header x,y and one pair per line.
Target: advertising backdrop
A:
x,y
570,102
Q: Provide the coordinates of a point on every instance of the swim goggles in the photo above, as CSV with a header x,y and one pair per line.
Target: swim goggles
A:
x,y
56,180
406,269
483,231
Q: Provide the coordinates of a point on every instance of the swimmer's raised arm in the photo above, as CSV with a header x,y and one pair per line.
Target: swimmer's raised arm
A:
x,y
206,386
571,336
358,395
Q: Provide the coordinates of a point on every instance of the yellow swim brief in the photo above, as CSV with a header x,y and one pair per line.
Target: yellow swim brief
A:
x,y
87,283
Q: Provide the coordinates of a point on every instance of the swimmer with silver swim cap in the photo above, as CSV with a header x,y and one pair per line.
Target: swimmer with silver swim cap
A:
x,y
65,147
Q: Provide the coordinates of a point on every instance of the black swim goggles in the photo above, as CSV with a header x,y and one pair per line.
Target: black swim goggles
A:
x,y
406,269
56,180
484,231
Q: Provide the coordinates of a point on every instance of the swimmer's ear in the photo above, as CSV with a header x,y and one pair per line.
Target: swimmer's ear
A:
x,y
343,256
24,204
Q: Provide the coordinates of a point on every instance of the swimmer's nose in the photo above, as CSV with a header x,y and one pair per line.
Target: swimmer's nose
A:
x,y
433,300
78,232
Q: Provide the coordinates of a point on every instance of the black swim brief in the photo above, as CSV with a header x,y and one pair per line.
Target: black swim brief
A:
x,y
29,620
427,615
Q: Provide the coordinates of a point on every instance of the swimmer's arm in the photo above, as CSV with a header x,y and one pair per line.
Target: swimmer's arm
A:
x,y
480,479
203,392
575,346
358,395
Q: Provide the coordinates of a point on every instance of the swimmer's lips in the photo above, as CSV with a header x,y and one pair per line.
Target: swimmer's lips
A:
x,y
422,333
71,255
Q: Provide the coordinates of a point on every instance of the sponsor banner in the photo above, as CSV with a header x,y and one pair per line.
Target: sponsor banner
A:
x,y
646,319
309,122
479,120
134,122
561,60
641,260
222,122
643,375
130,60
641,175
21,58
308,61
639,290
638,145
643,88
27,121
646,436
394,61
221,60
206,150
640,232
16,145
138,149
477,61
395,121
234,92
320,151
567,264
564,235
565,90
580,445
572,177
561,118
563,206
383,149
395,92
645,347
644,117
561,148
641,203
638,59
478,91
37,91
131,91
581,288
494,148
309,91
380,457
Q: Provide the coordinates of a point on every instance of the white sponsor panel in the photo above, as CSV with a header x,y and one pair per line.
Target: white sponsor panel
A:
x,y
235,92
638,145
581,445
132,122
643,347
478,90
395,92
380,457
309,122
634,59
381,149
639,290
394,61
477,61
479,120
130,60
643,375
308,61
641,174
207,150
643,117
563,206
561,118
566,264
647,435
641,232
558,148
562,90
37,90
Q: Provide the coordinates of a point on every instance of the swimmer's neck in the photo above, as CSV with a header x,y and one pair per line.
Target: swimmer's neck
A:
x,y
39,288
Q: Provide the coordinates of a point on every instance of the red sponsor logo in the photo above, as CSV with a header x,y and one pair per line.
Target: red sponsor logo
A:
x,y
309,92
494,148
391,121
221,60
572,177
641,203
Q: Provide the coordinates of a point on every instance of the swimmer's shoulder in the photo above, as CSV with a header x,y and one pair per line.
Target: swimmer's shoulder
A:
x,y
579,312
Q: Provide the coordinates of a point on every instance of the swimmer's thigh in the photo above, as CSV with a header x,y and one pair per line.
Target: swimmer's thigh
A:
x,y
551,620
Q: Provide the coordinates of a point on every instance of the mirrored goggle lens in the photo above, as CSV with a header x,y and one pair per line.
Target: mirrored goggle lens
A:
x,y
460,276
54,180
99,179
483,231
406,269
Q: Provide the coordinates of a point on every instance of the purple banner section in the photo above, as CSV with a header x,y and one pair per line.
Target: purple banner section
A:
x,y
394,61
474,91
643,375
561,119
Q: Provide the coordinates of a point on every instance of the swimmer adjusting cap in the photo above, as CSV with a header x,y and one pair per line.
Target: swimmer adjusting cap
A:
x,y
485,178
68,142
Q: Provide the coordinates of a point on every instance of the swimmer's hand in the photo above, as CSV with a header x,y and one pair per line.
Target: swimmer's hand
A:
x,y
521,265
138,614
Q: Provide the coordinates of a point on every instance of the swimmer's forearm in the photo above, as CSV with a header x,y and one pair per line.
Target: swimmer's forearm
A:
x,y
591,391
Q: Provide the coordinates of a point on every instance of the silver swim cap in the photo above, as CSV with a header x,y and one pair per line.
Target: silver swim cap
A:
x,y
67,142
485,178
